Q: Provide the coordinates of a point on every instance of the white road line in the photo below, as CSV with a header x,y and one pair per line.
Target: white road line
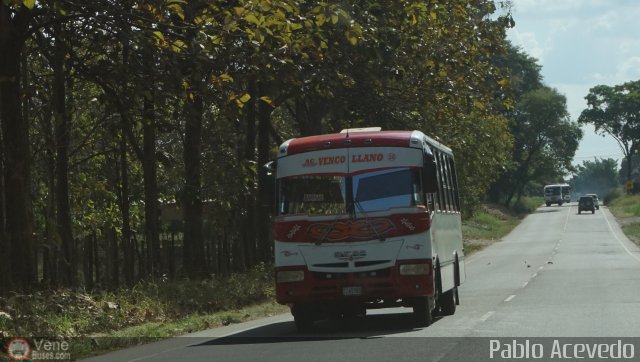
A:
x,y
510,298
487,315
566,221
524,285
618,239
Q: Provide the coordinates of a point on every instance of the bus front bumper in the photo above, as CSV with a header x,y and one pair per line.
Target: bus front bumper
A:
x,y
405,280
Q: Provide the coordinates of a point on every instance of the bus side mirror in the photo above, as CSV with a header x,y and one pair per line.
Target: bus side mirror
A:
x,y
269,172
429,175
270,168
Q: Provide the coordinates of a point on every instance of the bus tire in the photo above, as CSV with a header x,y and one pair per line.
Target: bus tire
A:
x,y
548,204
422,308
302,317
448,302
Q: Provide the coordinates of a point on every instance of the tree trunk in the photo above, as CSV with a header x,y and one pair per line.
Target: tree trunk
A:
x,y
68,272
87,261
193,259
263,230
96,259
17,241
248,255
629,166
127,251
114,272
308,115
151,210
5,246
193,241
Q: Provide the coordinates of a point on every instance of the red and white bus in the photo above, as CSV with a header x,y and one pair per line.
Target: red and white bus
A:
x,y
367,219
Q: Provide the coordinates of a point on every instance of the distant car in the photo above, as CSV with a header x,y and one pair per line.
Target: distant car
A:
x,y
586,203
596,201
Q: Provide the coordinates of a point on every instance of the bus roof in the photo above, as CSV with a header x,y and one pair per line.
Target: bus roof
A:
x,y
364,137
557,185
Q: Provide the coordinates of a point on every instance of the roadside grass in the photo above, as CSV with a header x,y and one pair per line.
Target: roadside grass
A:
x,y
155,331
98,322
625,206
626,209
493,222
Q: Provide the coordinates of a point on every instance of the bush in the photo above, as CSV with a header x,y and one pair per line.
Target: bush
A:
x,y
527,205
612,195
64,312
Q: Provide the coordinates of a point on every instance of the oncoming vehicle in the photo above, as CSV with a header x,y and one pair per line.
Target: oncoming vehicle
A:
x,y
586,203
367,219
557,194
596,200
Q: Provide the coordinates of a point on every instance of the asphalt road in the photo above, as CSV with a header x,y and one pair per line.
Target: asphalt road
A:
x,y
557,275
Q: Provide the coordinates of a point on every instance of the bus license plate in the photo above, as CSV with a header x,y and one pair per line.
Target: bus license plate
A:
x,y
351,291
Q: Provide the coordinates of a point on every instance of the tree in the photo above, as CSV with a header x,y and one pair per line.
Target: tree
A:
x,y
174,104
599,176
16,241
616,111
545,141
623,172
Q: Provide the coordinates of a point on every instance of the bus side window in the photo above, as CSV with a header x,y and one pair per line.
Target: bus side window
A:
x,y
439,200
450,190
454,183
429,174
418,198
430,202
443,183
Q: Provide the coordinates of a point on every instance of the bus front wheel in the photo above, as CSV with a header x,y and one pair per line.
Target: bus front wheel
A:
x,y
422,308
448,301
303,317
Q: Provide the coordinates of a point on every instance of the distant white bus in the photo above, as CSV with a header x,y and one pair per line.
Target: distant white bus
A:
x,y
557,194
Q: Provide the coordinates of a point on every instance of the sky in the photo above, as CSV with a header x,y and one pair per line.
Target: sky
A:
x,y
581,44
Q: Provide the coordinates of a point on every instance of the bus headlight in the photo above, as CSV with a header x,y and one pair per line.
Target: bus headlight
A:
x,y
285,276
415,269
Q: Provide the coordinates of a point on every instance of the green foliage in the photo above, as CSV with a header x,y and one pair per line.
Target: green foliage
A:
x,y
308,67
626,209
480,158
72,314
612,195
488,224
596,177
545,139
615,110
625,206
527,205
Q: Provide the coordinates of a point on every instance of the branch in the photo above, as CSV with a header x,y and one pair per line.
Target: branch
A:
x,y
82,160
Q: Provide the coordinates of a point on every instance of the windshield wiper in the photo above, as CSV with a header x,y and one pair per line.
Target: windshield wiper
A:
x,y
366,218
333,225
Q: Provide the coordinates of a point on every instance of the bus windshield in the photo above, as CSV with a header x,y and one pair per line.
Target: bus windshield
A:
x,y
313,195
552,191
370,191
382,190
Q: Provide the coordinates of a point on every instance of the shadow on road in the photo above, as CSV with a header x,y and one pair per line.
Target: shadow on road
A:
x,y
366,327
543,211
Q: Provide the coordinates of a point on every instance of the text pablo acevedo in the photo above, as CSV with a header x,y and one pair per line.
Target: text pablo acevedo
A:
x,y
525,349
